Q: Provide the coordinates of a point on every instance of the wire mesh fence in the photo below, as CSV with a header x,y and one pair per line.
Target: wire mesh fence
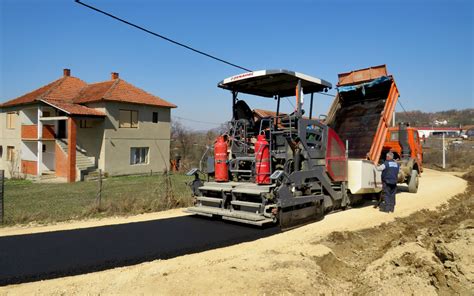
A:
x,y
27,201
459,153
24,201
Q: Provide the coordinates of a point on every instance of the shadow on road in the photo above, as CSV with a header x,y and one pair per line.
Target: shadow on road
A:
x,y
33,257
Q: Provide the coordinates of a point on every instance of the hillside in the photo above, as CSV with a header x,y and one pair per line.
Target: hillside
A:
x,y
453,117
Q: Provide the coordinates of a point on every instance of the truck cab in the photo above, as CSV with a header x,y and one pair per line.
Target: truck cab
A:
x,y
404,142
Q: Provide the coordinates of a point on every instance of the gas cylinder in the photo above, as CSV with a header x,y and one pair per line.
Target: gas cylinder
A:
x,y
220,160
262,160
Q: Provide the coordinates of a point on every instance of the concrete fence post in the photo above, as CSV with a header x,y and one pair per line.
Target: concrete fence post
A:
x,y
99,191
2,195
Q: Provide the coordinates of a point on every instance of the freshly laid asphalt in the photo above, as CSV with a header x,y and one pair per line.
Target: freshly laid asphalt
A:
x,y
39,256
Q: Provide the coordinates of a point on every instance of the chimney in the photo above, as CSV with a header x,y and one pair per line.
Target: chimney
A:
x,y
67,72
114,75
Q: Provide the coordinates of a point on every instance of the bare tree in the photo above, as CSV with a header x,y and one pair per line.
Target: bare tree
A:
x,y
182,140
191,145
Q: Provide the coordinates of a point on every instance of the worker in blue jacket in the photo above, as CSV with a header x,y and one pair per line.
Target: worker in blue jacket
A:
x,y
389,170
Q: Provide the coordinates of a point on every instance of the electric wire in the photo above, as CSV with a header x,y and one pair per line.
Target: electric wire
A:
x,y
162,37
198,121
182,45
405,111
325,94
292,105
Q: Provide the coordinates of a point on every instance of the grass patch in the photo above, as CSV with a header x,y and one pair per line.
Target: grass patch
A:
x,y
26,201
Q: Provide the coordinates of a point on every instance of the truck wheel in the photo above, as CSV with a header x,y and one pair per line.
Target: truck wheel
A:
x,y
413,183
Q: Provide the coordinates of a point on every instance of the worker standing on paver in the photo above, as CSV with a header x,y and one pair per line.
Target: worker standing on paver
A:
x,y
389,170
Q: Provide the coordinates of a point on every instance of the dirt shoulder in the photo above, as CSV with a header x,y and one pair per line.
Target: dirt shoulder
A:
x,y
358,251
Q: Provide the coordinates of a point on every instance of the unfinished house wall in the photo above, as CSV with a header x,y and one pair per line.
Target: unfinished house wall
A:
x,y
29,157
10,140
49,159
61,164
90,136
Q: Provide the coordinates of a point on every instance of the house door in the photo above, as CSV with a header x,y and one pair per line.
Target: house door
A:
x,y
61,129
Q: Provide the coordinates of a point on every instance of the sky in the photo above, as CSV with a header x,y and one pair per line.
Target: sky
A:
x,y
426,45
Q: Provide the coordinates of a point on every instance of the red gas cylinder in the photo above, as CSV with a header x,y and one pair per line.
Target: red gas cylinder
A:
x,y
262,160
220,160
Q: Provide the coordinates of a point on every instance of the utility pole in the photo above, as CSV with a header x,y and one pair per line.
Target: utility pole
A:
x,y
444,153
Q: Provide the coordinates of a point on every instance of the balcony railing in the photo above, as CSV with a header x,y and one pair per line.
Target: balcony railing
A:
x,y
30,132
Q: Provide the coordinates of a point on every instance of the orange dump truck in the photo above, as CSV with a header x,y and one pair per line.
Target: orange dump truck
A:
x,y
361,115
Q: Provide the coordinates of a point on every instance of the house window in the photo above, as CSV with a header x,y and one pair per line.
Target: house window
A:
x,y
44,148
10,153
1,152
46,114
128,119
155,117
139,155
84,123
11,118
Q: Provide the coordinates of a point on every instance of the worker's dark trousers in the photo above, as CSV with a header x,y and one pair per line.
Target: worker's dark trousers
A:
x,y
389,191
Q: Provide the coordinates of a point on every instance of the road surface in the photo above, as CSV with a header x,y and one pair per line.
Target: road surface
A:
x,y
58,253
39,256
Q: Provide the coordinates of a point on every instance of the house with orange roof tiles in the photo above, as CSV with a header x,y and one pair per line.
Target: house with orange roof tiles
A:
x,y
69,129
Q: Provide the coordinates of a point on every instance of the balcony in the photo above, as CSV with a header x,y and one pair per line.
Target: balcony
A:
x,y
30,132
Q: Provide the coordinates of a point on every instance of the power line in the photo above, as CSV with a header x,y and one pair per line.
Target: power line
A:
x,y
406,113
292,105
163,37
197,121
171,40
325,94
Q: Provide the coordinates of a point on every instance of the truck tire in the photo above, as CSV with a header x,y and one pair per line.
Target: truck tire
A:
x,y
413,183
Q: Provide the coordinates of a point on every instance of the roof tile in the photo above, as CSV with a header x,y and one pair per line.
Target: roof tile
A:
x,y
31,96
65,88
93,92
120,91
71,90
73,109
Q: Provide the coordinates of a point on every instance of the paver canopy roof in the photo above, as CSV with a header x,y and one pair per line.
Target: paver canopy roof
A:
x,y
269,83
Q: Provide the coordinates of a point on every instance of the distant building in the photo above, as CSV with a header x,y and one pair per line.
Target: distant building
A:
x,y
429,131
440,122
69,128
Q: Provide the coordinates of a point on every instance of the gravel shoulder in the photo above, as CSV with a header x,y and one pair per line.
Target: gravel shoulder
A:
x,y
349,251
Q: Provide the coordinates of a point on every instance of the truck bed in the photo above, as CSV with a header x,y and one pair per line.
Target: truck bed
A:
x,y
362,111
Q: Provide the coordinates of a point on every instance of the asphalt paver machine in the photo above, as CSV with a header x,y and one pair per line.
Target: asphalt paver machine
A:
x,y
284,168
